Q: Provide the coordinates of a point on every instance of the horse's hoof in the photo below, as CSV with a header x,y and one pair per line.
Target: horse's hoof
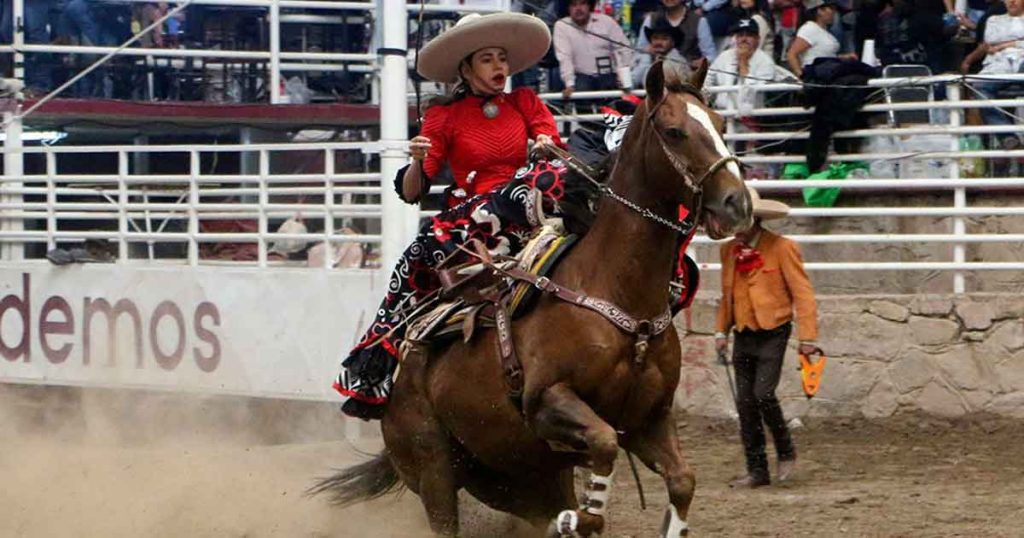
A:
x,y
565,525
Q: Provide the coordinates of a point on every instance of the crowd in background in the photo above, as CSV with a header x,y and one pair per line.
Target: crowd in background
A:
x,y
609,44
597,44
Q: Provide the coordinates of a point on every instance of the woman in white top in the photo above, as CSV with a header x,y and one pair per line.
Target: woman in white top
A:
x,y
813,39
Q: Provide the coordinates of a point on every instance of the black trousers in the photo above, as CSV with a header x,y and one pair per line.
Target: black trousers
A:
x,y
757,359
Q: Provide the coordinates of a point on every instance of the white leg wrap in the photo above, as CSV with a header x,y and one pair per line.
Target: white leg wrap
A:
x,y
599,489
674,527
566,523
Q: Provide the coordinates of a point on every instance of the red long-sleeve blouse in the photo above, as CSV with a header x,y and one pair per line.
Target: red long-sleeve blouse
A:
x,y
493,148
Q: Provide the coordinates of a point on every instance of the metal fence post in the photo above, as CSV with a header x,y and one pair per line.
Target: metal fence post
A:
x,y
398,219
275,52
956,116
14,169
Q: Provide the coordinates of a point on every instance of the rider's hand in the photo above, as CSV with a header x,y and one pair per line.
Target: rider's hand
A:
x,y
567,92
418,147
807,348
720,343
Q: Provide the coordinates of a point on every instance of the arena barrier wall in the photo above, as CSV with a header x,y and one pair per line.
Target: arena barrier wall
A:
x,y
219,330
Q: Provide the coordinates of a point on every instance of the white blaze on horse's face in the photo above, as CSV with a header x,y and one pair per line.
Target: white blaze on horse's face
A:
x,y
702,117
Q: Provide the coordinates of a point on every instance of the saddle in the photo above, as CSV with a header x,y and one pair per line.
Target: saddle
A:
x,y
482,294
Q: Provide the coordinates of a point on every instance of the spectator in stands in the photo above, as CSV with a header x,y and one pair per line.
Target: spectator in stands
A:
x,y
1004,54
593,52
894,43
38,66
744,64
697,40
933,23
663,38
787,18
813,40
750,9
718,14
995,7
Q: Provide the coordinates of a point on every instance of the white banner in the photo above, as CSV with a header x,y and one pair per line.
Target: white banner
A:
x,y
277,332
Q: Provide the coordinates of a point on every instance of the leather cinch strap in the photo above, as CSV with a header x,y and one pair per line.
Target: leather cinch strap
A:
x,y
644,329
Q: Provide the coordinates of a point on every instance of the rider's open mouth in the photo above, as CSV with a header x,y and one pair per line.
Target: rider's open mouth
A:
x,y
498,79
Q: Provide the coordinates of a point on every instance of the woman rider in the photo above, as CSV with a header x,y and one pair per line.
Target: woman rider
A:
x,y
481,132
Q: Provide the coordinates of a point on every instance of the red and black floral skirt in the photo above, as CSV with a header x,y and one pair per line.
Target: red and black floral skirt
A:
x,y
502,219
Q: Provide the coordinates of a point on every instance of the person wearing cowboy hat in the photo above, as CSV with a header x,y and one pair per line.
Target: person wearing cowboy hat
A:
x,y
743,64
813,40
763,283
481,133
696,42
664,38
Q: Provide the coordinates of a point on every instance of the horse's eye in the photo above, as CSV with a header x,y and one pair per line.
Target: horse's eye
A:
x,y
675,133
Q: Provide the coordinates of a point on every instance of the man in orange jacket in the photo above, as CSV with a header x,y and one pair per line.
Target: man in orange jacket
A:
x,y
763,282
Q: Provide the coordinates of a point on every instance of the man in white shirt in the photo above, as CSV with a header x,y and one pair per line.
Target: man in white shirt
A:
x,y
592,50
1004,43
743,65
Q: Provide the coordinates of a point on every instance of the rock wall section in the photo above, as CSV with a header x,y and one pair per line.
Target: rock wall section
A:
x,y
942,354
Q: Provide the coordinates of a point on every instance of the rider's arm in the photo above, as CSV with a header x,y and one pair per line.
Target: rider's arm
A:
x,y
536,114
414,179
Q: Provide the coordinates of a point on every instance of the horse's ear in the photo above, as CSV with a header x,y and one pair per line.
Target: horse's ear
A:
x,y
655,83
697,79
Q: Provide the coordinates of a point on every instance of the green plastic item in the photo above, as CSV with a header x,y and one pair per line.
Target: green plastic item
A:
x,y
795,171
827,196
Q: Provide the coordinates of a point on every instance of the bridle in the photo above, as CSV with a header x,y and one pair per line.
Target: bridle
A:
x,y
696,185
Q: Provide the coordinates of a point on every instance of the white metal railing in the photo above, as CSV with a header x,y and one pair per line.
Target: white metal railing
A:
x,y
140,211
949,159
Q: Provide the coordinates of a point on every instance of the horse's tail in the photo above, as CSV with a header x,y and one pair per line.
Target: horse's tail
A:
x,y
358,483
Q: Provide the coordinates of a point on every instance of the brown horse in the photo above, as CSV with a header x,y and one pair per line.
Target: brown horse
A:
x,y
451,424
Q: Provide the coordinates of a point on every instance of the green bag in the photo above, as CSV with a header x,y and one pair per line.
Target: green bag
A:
x,y
795,171
827,196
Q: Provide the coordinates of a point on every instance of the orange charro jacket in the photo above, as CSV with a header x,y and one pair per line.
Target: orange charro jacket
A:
x,y
765,298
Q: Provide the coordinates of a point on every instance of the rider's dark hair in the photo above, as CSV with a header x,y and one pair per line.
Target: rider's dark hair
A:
x,y
458,91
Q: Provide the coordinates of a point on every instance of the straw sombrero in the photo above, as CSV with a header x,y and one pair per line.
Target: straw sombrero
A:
x,y
525,38
766,209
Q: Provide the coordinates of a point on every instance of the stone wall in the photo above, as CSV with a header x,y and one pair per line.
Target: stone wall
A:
x,y
942,354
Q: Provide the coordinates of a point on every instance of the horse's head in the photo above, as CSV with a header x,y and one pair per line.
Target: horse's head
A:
x,y
683,143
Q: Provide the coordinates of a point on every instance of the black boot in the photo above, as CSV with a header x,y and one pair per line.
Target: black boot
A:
x,y
363,410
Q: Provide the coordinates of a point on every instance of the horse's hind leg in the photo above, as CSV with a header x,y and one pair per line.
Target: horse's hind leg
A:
x,y
658,448
559,415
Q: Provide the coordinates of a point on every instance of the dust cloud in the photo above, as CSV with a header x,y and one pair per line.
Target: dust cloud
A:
x,y
79,462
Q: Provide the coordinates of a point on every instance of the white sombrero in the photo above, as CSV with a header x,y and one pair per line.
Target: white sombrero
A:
x,y
766,209
525,38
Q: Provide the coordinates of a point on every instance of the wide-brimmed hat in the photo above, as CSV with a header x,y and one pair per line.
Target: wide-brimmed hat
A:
x,y
661,25
766,209
745,26
524,38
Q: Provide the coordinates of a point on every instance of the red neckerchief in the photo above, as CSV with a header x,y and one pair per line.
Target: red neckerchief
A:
x,y
747,258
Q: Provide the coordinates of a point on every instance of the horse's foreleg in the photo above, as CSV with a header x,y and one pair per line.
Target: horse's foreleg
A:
x,y
558,415
658,448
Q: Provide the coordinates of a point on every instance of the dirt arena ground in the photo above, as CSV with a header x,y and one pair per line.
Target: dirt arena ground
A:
x,y
112,465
